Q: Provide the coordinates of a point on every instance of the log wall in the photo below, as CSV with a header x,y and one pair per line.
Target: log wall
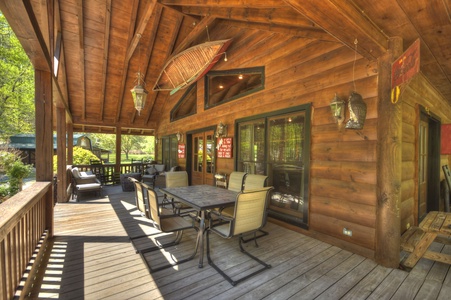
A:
x,y
418,92
343,162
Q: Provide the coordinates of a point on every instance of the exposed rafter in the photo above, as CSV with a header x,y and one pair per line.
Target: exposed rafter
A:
x,y
106,51
227,3
81,51
347,25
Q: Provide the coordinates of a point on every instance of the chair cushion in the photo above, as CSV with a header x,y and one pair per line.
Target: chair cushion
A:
x,y
89,186
151,170
76,173
159,168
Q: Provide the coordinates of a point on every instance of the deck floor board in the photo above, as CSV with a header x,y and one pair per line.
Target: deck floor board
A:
x,y
92,258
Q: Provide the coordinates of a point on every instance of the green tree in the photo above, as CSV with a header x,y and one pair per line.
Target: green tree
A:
x,y
16,85
131,142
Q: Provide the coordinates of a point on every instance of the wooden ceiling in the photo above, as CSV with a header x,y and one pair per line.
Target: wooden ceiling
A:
x,y
101,44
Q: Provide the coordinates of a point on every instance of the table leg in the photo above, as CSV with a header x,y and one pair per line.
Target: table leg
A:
x,y
200,238
420,249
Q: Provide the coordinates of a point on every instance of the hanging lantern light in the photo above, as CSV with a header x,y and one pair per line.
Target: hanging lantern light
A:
x,y
139,92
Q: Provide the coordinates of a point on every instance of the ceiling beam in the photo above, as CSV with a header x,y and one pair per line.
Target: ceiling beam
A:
x,y
285,16
227,3
106,51
27,30
153,35
347,23
194,34
125,66
140,28
170,49
81,52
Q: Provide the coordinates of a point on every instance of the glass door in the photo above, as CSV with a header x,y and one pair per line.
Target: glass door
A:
x,y
277,145
203,155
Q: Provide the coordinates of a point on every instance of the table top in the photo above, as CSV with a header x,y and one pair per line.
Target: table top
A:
x,y
202,197
437,222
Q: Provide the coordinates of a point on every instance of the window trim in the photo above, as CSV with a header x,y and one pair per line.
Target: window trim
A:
x,y
260,70
307,108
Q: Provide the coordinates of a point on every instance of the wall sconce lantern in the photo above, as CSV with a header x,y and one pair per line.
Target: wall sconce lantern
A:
x,y
221,130
337,106
179,136
357,112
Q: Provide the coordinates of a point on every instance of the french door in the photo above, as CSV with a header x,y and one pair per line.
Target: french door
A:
x,y
203,158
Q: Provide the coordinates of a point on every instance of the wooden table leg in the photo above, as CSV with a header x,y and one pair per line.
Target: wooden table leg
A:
x,y
420,249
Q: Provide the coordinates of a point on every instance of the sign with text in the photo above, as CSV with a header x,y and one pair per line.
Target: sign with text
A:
x,y
181,151
224,147
407,65
445,139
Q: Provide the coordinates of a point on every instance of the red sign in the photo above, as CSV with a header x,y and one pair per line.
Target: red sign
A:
x,y
224,147
407,65
181,151
445,139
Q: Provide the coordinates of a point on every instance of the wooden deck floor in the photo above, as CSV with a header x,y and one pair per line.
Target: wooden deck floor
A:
x,y
92,258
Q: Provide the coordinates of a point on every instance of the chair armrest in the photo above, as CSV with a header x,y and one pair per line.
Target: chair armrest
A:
x,y
86,180
221,216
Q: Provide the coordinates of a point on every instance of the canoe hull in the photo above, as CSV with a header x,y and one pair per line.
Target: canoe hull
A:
x,y
190,65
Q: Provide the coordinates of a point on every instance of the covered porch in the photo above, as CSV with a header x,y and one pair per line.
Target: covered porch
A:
x,y
91,257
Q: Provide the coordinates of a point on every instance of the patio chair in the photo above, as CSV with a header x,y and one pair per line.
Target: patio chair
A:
x,y
221,180
236,182
139,198
447,173
248,217
165,221
83,182
178,179
253,182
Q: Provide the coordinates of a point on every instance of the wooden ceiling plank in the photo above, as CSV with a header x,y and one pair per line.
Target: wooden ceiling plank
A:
x,y
226,3
81,51
106,50
153,34
312,32
170,49
345,22
194,34
131,29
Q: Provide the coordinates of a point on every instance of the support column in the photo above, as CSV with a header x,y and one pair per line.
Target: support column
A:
x,y
117,167
389,166
70,143
61,154
44,137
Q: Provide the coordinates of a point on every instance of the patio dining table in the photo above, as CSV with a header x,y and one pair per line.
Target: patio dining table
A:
x,y
202,198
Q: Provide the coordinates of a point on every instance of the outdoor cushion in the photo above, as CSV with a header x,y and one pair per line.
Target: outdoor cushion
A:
x,y
88,186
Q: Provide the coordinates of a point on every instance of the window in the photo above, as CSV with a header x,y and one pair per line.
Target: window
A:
x,y
169,151
225,86
277,145
187,105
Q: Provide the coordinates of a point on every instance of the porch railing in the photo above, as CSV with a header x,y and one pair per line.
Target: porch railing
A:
x,y
25,220
106,172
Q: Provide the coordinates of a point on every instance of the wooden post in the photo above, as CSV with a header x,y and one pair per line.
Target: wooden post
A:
x,y
117,167
70,143
61,154
389,166
44,137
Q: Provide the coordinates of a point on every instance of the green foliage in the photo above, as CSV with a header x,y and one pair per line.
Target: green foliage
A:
x,y
81,157
15,169
16,85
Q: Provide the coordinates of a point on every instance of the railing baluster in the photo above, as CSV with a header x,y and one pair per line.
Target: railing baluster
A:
x,y
22,224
